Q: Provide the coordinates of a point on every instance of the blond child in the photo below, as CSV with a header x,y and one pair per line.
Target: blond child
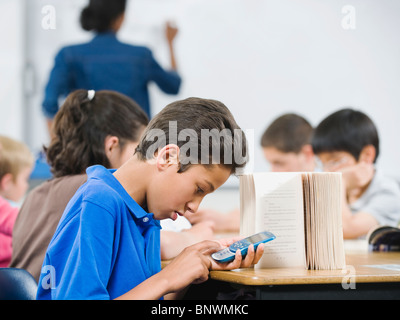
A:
x,y
16,163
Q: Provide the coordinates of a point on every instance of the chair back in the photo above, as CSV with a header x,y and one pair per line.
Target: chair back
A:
x,y
17,284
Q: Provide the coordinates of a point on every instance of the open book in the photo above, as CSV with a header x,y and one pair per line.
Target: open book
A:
x,y
384,238
303,210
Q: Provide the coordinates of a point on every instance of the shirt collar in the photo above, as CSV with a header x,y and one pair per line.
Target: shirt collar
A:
x,y
100,172
105,35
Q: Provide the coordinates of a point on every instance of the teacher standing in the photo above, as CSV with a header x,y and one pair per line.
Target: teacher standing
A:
x,y
106,63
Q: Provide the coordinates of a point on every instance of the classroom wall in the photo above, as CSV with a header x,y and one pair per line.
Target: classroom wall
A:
x,y
261,58
11,68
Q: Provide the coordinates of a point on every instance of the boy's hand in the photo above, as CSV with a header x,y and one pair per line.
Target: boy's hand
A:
x,y
192,265
357,176
249,260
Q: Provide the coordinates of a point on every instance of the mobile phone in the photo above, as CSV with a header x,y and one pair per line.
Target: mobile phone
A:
x,y
228,254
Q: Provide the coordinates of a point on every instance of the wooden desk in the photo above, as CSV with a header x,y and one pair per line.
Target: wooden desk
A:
x,y
287,276
358,281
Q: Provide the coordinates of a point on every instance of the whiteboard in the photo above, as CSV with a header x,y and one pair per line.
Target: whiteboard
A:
x,y
261,58
11,68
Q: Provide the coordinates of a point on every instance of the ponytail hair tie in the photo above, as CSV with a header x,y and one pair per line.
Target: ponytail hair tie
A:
x,y
91,94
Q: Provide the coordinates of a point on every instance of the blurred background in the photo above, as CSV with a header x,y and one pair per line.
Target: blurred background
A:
x,y
262,58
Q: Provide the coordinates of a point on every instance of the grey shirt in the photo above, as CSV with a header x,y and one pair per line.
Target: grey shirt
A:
x,y
381,200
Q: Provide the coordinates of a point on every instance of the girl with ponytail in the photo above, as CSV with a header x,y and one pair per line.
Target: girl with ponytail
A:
x,y
91,128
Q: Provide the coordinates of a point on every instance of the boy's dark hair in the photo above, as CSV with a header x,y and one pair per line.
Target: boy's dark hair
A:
x,y
100,14
287,133
204,128
82,125
346,130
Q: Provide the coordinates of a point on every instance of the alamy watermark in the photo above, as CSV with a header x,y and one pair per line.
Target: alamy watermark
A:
x,y
213,146
349,19
49,21
49,279
349,280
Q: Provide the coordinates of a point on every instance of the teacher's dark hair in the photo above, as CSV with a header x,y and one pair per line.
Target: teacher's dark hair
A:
x,y
99,15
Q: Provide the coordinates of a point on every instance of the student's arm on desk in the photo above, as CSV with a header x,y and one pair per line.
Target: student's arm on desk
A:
x,y
356,225
172,243
224,222
359,223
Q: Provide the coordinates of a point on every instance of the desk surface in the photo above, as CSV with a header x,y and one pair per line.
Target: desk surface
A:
x,y
359,265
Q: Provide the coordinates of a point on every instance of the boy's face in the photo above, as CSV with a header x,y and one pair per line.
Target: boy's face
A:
x,y
17,189
285,161
335,160
174,193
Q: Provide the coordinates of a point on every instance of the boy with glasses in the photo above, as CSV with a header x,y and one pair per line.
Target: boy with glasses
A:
x,y
347,141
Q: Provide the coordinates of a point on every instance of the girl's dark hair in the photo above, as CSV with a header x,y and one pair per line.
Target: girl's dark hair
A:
x,y
100,14
82,125
345,130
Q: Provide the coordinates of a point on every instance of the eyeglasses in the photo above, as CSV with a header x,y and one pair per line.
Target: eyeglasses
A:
x,y
331,164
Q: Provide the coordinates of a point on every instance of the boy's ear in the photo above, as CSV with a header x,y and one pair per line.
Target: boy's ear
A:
x,y
307,150
167,156
5,181
368,154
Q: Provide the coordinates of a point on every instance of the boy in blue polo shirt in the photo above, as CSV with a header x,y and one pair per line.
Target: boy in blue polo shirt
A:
x,y
107,244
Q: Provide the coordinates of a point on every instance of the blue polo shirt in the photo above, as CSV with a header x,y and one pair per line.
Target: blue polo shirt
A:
x,y
107,64
104,245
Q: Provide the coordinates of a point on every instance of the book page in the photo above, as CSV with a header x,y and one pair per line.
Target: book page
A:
x,y
279,209
247,205
323,216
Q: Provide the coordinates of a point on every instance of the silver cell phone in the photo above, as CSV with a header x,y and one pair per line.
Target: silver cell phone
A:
x,y
228,254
